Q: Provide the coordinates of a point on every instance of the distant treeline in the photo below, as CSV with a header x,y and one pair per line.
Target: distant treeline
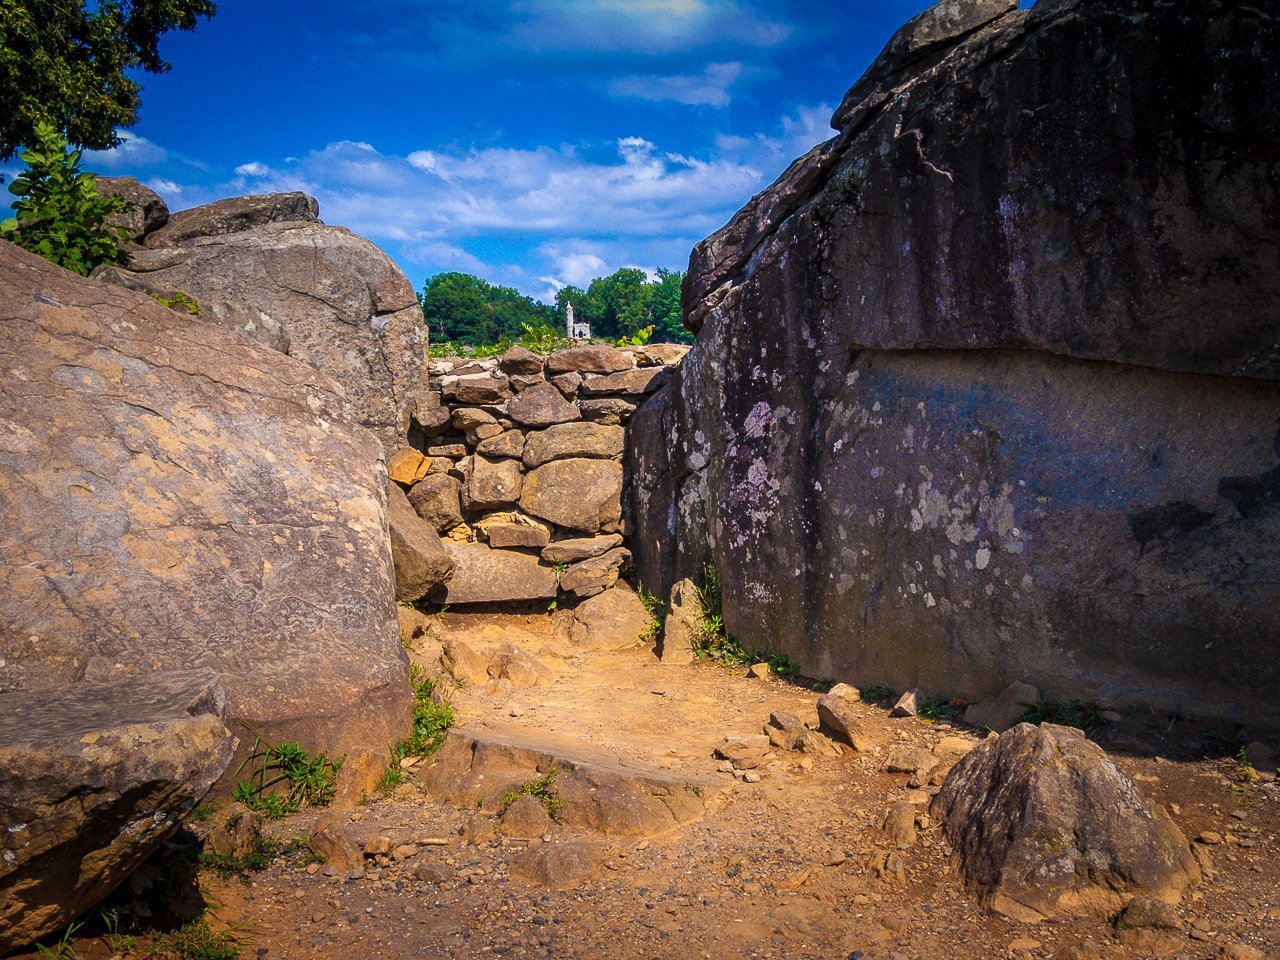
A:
x,y
460,308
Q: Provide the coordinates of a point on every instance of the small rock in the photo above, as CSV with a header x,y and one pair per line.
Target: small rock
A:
x,y
431,873
1024,945
751,776
838,713
744,752
899,824
558,865
760,671
908,704
404,852
785,730
376,846
913,760
333,844
1239,951
1002,712
1209,838
1145,912
887,866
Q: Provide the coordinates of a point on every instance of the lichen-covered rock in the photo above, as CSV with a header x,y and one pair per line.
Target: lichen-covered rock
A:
x,y
1043,824
93,777
579,494
985,387
342,303
163,511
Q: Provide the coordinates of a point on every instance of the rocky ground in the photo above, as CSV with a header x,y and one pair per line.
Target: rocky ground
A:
x,y
788,858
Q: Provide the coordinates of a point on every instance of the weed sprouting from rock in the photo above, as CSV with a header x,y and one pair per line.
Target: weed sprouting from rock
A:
x,y
285,778
540,788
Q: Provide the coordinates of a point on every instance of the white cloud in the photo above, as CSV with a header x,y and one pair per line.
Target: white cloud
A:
x,y
708,89
555,215
133,151
166,188
639,26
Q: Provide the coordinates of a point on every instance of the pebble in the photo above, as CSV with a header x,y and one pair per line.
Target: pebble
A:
x,y
1209,838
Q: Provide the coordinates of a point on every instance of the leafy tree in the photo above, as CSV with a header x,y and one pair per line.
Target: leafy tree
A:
x,y
665,315
59,214
618,305
68,62
464,309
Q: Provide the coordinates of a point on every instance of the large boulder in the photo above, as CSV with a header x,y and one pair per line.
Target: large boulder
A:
x,y
339,303
93,777
1044,823
234,215
985,387
173,495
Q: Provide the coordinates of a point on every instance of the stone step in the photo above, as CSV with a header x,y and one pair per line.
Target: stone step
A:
x,y
611,795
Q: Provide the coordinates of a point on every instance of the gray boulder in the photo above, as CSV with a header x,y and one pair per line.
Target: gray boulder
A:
x,y
421,563
163,511
339,303
484,575
990,392
234,215
1044,824
583,495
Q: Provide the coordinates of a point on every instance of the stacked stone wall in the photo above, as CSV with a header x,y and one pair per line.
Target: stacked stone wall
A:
x,y
516,461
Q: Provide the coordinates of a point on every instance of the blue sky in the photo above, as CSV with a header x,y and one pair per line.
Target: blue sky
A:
x,y
532,142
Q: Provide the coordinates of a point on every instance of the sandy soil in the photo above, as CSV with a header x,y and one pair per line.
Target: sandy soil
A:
x,y
776,869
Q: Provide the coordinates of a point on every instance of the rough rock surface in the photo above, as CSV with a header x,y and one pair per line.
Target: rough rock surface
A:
x,y
579,494
93,777
234,215
162,511
566,440
342,303
421,564
681,626
985,387
613,620
483,575
1044,823
149,210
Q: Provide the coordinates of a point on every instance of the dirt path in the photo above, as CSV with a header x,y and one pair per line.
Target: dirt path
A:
x,y
780,868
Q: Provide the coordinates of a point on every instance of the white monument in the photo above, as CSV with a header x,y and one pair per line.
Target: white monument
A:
x,y
574,330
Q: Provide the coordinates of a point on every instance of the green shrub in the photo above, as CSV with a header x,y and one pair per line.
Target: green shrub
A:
x,y
58,213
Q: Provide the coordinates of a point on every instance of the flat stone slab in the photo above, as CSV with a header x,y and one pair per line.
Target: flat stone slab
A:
x,y
600,791
93,777
484,575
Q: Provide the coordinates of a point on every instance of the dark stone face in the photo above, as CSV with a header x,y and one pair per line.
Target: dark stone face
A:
x,y
985,387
